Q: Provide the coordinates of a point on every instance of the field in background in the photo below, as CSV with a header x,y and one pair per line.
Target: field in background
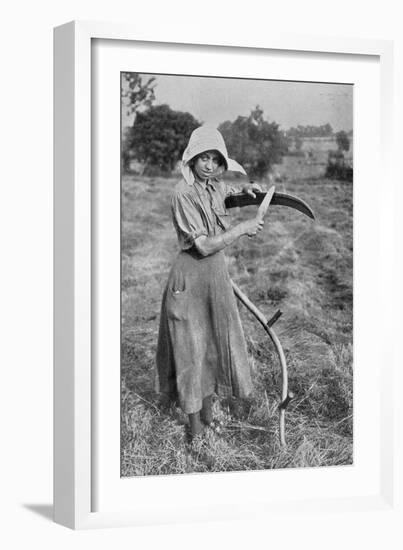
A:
x,y
300,266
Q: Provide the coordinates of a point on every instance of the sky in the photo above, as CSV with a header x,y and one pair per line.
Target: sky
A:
x,y
214,100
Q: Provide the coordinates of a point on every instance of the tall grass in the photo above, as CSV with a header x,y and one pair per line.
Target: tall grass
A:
x,y
300,266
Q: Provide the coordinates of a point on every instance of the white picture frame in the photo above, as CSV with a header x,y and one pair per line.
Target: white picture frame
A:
x,y
76,471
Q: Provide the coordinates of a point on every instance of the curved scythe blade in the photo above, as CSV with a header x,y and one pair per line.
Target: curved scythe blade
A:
x,y
281,199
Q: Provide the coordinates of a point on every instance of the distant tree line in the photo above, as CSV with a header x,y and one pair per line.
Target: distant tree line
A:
x,y
300,131
160,134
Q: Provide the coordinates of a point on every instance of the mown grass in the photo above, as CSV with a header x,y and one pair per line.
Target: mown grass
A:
x,y
302,267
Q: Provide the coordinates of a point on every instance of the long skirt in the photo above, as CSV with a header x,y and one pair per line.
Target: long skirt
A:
x,y
201,344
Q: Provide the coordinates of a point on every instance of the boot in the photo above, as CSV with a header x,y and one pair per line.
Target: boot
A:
x,y
196,427
206,414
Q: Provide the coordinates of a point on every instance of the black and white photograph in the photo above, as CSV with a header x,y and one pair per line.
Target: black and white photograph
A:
x,y
236,274
202,275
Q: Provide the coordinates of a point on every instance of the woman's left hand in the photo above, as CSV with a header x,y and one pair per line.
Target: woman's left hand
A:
x,y
250,188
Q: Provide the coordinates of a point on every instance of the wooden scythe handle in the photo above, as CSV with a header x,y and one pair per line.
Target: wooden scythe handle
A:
x,y
285,396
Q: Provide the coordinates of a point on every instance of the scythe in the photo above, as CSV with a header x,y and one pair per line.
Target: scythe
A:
x,y
242,199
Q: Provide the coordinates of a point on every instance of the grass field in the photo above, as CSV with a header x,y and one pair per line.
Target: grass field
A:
x,y
300,266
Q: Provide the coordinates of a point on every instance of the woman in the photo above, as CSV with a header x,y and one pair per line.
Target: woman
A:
x,y
201,345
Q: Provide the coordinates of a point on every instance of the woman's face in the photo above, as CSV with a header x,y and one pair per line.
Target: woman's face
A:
x,y
207,164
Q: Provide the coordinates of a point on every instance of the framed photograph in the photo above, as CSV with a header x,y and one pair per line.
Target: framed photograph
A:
x,y
221,254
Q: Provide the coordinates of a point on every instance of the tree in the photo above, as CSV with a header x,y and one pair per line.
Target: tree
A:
x,y
342,140
159,136
256,143
136,94
298,143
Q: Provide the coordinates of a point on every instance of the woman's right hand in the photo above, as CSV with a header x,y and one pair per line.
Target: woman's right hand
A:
x,y
252,227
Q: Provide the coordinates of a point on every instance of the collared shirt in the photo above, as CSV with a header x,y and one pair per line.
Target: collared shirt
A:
x,y
199,209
